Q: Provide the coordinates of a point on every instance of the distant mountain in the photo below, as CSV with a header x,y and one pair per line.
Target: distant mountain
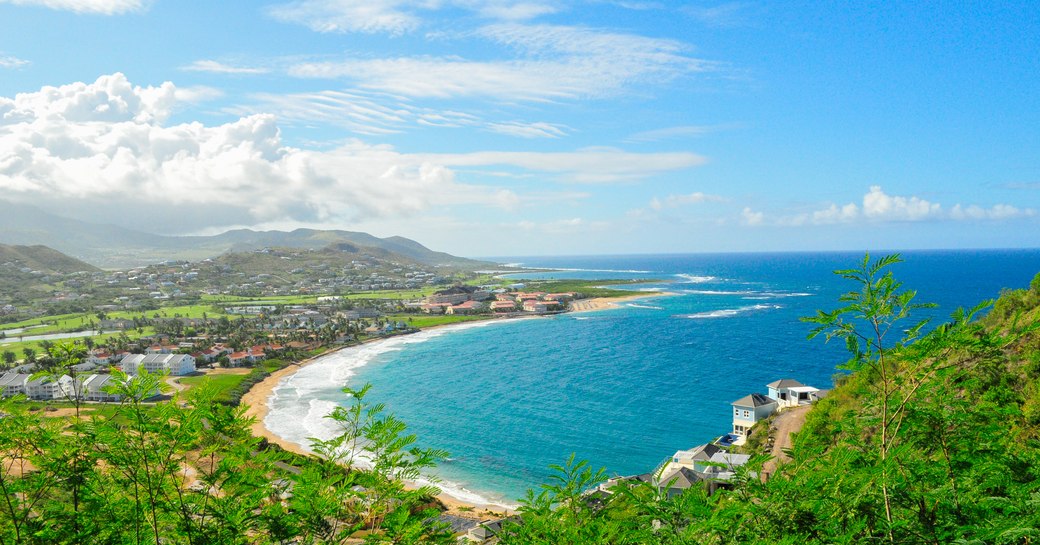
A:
x,y
110,246
41,258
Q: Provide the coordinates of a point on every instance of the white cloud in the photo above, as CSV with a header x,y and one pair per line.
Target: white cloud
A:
x,y
101,7
879,206
396,17
668,133
750,217
673,201
589,165
216,67
105,145
7,61
555,62
996,212
366,16
529,130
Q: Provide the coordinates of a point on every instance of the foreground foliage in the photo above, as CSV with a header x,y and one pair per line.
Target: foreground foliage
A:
x,y
192,473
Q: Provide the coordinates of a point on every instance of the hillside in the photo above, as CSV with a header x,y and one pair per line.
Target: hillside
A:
x,y
40,258
113,247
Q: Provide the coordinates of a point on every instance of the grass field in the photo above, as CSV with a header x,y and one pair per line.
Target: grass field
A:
x,y
429,320
222,383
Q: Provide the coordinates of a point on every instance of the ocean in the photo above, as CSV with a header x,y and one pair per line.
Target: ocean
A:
x,y
622,388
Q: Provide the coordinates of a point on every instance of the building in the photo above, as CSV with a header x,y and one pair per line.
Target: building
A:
x,y
169,364
96,388
47,388
789,392
12,384
747,411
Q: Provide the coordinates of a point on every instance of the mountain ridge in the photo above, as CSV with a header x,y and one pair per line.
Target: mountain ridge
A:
x,y
111,246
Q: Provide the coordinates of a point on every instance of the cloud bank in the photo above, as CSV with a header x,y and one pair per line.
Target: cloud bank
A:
x,y
106,146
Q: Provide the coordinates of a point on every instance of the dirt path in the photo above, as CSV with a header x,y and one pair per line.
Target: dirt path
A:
x,y
786,423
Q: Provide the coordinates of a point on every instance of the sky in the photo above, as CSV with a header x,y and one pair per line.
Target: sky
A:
x,y
532,127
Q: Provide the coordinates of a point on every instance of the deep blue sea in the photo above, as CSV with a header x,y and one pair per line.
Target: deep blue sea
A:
x,y
623,388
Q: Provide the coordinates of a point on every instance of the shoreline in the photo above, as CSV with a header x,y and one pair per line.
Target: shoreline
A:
x,y
257,398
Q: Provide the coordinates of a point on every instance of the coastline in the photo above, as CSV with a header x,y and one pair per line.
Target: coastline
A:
x,y
257,400
258,397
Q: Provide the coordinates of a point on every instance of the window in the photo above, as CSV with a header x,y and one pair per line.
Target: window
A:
x,y
747,414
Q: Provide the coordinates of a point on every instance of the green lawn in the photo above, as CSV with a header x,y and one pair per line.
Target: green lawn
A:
x,y
429,320
223,383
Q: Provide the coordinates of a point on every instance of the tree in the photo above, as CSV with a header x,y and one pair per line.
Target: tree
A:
x,y
30,354
9,357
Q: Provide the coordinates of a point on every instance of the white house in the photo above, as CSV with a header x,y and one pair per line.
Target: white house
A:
x,y
747,411
709,461
789,392
172,364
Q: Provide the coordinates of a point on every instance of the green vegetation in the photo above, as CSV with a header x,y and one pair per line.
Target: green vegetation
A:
x,y
191,473
430,320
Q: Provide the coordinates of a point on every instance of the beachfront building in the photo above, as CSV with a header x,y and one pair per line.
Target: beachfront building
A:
x,y
790,393
747,411
170,364
709,460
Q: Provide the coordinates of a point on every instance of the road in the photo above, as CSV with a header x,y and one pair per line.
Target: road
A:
x,y
784,425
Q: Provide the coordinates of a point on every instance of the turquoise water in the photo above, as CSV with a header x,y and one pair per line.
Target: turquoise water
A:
x,y
623,388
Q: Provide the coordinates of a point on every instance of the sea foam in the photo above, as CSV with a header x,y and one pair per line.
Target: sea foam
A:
x,y
729,312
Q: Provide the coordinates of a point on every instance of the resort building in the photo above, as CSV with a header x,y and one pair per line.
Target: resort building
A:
x,y
47,388
12,384
171,364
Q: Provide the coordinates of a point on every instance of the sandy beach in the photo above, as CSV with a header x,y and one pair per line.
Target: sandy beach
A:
x,y
256,402
604,303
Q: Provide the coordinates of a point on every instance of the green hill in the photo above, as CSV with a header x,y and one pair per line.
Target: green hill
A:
x,y
40,258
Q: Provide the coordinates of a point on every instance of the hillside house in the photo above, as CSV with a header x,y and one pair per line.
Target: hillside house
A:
x,y
747,411
789,392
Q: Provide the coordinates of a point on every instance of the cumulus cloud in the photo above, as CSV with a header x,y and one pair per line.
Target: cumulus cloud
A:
x,y
552,62
216,67
106,146
7,61
878,206
101,7
105,143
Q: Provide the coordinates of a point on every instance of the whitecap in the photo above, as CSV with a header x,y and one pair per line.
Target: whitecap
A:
x,y
694,279
729,312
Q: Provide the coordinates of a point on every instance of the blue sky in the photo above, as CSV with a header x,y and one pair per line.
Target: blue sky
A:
x,y
504,127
